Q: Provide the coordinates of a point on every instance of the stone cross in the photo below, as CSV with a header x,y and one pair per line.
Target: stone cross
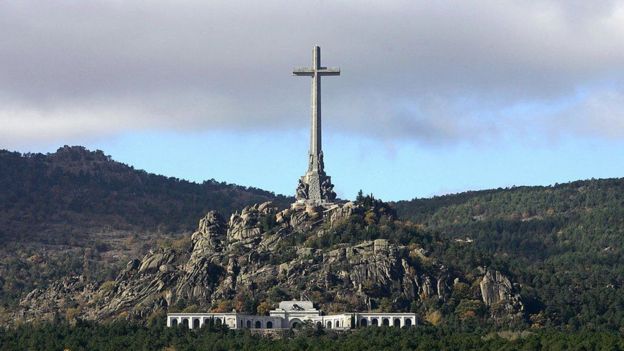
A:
x,y
316,186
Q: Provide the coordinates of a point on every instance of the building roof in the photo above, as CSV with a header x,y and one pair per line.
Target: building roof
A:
x,y
295,305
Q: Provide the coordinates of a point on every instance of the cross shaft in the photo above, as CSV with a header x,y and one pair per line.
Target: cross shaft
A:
x,y
316,72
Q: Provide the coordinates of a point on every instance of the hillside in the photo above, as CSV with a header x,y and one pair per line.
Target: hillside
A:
x,y
75,187
562,244
77,211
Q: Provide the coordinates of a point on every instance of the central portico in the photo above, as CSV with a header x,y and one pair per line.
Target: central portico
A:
x,y
315,186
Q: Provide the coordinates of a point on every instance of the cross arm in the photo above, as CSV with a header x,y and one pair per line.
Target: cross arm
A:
x,y
333,71
303,71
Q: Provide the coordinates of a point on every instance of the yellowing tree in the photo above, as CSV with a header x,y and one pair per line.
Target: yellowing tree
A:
x,y
263,308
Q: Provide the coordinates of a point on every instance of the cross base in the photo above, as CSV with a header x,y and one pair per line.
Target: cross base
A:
x,y
315,187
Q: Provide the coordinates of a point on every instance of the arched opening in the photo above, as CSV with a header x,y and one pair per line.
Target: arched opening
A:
x,y
386,322
185,322
375,322
218,321
337,324
328,325
258,325
295,323
408,322
269,325
248,324
195,323
364,322
174,322
397,322
319,325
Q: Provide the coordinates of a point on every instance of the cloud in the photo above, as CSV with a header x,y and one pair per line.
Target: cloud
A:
x,y
431,72
601,114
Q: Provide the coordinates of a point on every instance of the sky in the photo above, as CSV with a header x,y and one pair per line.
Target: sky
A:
x,y
434,97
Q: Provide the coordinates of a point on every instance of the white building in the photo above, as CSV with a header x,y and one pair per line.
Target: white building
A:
x,y
290,314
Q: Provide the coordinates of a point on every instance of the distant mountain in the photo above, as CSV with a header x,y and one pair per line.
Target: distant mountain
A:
x,y
78,188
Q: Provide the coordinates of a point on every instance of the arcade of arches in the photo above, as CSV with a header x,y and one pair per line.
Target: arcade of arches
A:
x,y
292,314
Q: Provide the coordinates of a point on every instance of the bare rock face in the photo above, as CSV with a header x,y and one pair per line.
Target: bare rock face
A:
x,y
67,293
247,226
495,288
153,261
498,293
209,237
338,213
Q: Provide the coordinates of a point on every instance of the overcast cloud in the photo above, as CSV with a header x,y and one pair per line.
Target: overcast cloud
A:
x,y
424,71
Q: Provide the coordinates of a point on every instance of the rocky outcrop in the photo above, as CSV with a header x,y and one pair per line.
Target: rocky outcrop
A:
x,y
497,292
155,261
256,251
209,238
495,288
65,294
246,227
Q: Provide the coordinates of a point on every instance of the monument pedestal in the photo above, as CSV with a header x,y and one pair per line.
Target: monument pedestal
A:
x,y
315,188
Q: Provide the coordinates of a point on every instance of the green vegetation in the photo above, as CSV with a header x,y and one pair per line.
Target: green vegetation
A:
x,y
378,221
77,211
126,336
562,245
75,187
